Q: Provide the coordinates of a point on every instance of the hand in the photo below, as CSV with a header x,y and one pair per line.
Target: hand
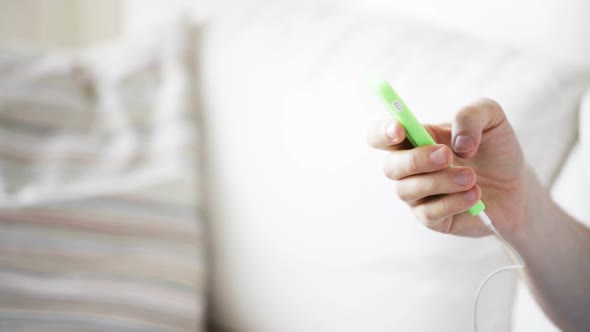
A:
x,y
488,164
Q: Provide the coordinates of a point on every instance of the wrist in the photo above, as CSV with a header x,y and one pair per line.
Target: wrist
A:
x,y
538,209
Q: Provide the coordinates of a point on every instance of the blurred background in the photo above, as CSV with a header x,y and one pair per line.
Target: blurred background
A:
x,y
79,23
301,232
549,26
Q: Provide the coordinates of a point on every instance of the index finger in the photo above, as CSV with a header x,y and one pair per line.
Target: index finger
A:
x,y
386,135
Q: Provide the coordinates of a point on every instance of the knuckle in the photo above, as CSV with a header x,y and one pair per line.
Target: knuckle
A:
x,y
375,135
493,107
435,224
372,139
402,192
445,206
388,171
413,163
492,104
497,108
437,217
465,111
389,168
419,213
465,115
430,184
445,225
425,215
431,217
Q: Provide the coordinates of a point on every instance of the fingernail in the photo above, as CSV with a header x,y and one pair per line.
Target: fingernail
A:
x,y
463,143
463,178
439,156
390,131
470,195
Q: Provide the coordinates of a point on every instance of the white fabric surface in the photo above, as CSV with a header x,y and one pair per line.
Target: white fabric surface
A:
x,y
555,28
306,232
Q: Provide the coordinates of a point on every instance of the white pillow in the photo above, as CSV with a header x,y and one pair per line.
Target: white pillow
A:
x,y
307,232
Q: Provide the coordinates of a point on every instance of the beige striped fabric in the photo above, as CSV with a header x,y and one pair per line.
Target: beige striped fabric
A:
x,y
100,227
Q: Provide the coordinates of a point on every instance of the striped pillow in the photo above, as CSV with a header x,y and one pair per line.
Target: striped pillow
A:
x,y
100,228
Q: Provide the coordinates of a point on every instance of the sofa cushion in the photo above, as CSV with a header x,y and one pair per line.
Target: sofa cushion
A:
x,y
100,227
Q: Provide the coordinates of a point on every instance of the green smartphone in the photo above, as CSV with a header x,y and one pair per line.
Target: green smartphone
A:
x,y
415,132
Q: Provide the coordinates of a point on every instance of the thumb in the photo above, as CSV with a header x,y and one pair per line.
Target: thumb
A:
x,y
471,122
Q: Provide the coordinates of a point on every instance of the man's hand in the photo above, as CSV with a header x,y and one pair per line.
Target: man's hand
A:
x,y
488,164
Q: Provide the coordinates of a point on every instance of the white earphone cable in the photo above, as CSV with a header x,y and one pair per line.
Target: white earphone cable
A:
x,y
520,264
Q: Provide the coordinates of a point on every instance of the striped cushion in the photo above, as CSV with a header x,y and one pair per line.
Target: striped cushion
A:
x,y
100,228
79,124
